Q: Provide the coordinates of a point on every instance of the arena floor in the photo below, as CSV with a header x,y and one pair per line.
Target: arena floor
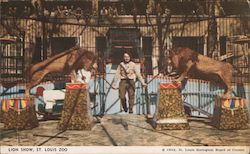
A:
x,y
125,130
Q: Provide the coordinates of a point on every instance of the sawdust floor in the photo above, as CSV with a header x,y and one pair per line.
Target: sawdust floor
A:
x,y
125,130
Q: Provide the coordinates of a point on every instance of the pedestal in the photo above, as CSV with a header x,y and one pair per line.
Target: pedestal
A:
x,y
76,114
19,113
230,113
170,113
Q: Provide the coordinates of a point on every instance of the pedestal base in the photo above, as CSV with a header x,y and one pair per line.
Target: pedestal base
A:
x,y
76,114
19,113
230,113
170,113
171,124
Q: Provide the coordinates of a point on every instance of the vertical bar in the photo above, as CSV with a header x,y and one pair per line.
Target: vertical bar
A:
x,y
16,58
44,40
147,100
103,96
201,101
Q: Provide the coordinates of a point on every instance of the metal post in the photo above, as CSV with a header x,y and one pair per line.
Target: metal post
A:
x,y
95,95
146,96
44,39
199,95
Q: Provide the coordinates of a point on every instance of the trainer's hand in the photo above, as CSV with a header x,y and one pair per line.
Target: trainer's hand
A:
x,y
144,85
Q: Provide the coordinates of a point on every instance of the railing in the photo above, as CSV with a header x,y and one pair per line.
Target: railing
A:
x,y
198,94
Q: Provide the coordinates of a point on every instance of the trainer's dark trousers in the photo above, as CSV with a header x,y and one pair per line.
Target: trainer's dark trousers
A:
x,y
127,85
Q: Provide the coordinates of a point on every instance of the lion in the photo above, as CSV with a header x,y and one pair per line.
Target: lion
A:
x,y
194,65
67,62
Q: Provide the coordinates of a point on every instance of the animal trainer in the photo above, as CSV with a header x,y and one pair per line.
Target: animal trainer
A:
x,y
127,72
